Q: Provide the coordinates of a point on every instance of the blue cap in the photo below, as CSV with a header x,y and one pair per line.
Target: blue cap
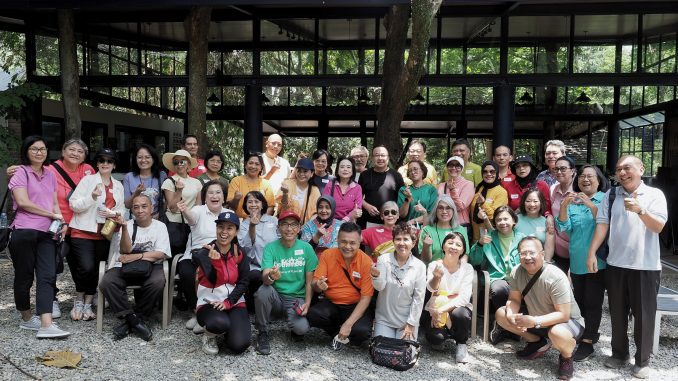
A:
x,y
305,163
229,217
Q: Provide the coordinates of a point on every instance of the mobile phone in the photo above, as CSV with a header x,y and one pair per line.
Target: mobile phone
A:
x,y
297,307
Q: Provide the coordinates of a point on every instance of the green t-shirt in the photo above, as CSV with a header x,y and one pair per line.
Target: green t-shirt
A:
x,y
426,194
438,235
294,263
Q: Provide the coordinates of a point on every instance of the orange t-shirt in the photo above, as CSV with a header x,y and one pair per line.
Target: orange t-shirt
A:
x,y
339,290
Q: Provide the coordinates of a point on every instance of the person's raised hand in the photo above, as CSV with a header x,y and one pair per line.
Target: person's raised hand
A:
x,y
322,283
374,271
438,271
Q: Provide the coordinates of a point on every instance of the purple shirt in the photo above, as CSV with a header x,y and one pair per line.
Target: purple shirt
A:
x,y
562,247
41,192
345,202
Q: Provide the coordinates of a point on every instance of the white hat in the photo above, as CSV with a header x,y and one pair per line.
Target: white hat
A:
x,y
457,159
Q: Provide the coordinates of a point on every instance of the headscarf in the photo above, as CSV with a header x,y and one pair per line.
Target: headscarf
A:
x,y
333,208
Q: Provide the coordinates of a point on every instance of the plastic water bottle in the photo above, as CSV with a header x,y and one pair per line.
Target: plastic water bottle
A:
x,y
3,220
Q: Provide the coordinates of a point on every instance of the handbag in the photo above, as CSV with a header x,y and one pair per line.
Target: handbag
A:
x,y
177,231
397,354
604,250
6,231
139,269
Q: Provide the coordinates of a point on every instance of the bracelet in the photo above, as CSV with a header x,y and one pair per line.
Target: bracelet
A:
x,y
270,279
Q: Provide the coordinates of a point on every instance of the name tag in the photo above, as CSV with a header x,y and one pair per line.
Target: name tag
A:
x,y
88,172
469,171
325,181
356,275
514,196
299,252
508,179
540,228
201,167
380,230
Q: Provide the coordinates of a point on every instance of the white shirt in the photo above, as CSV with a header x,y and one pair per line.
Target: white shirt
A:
x,y
280,174
154,237
401,291
204,230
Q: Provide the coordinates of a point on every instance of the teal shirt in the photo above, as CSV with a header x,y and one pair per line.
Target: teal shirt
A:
x,y
490,258
294,263
535,227
580,225
438,235
426,194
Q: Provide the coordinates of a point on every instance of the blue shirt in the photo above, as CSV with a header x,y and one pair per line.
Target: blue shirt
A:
x,y
580,225
534,227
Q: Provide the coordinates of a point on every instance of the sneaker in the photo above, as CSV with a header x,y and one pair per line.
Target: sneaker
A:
x,y
534,350
616,363
209,345
32,324
191,323
565,368
497,334
137,325
263,344
198,329
87,313
296,338
583,352
641,371
120,331
76,312
51,332
56,311
462,354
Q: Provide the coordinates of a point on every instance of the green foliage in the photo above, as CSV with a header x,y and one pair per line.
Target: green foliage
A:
x,y
14,98
227,137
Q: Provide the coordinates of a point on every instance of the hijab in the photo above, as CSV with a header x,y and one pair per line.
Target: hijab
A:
x,y
333,208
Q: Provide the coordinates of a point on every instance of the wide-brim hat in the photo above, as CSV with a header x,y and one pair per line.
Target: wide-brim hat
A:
x,y
169,157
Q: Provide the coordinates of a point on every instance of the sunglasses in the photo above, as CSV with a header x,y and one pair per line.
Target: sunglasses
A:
x,y
104,161
179,162
390,212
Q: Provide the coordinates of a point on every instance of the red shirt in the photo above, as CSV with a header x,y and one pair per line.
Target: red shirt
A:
x,y
63,189
508,179
515,192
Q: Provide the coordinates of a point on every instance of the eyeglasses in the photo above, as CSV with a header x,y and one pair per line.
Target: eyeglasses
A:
x,y
562,169
588,177
36,150
381,155
359,157
105,161
455,166
524,254
285,225
179,162
390,212
443,208
147,157
490,172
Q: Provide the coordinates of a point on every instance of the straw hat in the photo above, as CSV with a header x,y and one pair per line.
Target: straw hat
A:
x,y
169,157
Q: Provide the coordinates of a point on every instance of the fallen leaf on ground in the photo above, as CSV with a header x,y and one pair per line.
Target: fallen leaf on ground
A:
x,y
60,359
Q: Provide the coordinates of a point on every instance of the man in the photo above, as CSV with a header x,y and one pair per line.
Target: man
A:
x,y
277,167
639,213
343,275
551,308
554,150
360,155
380,184
503,158
417,151
287,271
141,239
190,144
472,171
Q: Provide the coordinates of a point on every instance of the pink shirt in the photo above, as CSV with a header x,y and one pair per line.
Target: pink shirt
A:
x,y
345,202
462,197
562,247
41,191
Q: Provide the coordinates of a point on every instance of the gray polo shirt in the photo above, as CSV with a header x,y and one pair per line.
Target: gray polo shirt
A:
x,y
632,244
552,288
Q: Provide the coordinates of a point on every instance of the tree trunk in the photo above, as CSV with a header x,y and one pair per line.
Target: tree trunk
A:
x,y
197,25
400,79
70,80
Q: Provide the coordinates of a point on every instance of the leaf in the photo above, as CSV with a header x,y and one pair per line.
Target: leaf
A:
x,y
60,359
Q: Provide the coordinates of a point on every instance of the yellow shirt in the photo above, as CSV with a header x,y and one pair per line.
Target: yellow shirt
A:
x,y
297,200
244,185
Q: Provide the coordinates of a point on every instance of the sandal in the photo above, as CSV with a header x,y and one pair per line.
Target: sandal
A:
x,y
76,312
87,313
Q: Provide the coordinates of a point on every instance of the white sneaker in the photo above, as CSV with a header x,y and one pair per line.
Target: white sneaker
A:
x,y
56,311
209,345
32,324
51,332
198,329
462,354
190,324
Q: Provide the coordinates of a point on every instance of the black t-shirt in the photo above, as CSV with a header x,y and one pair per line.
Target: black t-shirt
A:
x,y
322,181
379,187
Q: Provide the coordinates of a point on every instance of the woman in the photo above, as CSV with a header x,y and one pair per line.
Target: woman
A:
x,y
346,192
256,231
577,218
526,177
416,201
299,195
32,246
180,187
214,164
400,279
201,220
96,198
322,230
322,160
497,253
443,220
565,171
222,283
531,220
145,177
450,281
460,189
378,240
489,196
250,181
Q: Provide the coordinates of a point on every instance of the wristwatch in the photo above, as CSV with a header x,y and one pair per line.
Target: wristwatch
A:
x,y
537,323
642,212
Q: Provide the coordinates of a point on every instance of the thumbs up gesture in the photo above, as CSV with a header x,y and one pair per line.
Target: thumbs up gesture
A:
x,y
357,212
374,271
275,273
438,271
322,283
419,208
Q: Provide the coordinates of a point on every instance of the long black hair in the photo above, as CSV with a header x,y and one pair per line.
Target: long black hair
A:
x,y
155,167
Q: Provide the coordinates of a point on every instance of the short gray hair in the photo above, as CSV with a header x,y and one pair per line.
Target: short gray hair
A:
x,y
557,143
76,141
360,149
388,204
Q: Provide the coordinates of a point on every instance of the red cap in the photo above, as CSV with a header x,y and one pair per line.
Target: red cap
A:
x,y
289,214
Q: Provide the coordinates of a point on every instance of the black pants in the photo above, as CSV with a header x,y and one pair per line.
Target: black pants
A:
x,y
499,292
83,260
589,292
33,255
186,270
562,263
461,327
634,290
255,283
114,288
234,324
329,317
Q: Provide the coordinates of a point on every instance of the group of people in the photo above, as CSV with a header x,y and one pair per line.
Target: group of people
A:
x,y
357,252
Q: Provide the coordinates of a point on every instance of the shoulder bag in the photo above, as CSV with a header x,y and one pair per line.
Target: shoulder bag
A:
x,y
177,231
139,269
604,250
397,354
